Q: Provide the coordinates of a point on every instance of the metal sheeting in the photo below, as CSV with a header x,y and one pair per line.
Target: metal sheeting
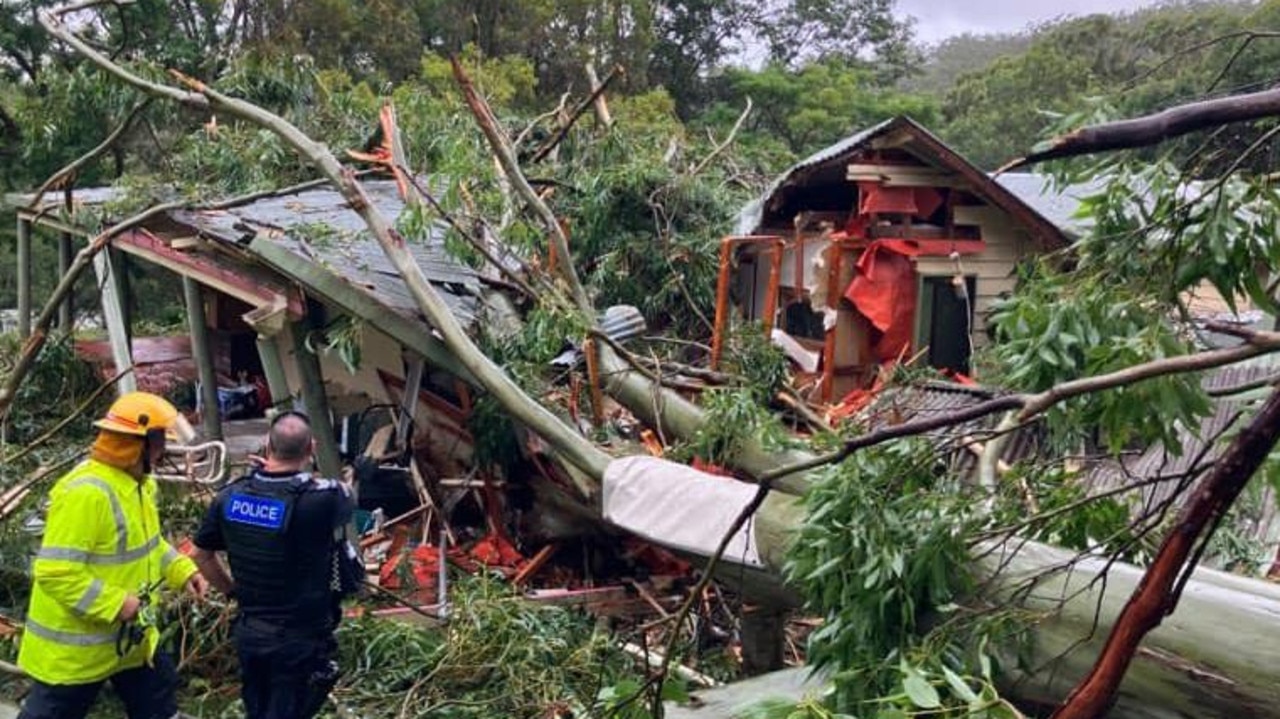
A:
x,y
318,226
934,399
752,214
1056,204
1229,413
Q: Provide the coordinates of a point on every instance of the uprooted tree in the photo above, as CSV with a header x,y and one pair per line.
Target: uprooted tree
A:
x,y
1101,380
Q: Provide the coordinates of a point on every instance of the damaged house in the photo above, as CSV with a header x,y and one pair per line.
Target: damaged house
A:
x,y
882,247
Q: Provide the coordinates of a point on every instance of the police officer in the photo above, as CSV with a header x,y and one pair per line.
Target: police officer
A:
x,y
100,561
281,530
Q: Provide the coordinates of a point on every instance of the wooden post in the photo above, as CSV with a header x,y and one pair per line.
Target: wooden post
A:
x,y
763,639
722,302
593,381
273,368
113,318
66,310
316,402
24,278
203,355
834,257
775,280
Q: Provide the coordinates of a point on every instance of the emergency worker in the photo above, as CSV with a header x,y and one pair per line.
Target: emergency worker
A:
x,y
101,561
282,531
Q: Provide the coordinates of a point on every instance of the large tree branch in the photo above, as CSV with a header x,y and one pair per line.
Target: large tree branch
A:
x,y
1157,595
1151,129
511,168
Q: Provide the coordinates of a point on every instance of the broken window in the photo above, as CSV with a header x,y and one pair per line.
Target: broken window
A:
x,y
945,321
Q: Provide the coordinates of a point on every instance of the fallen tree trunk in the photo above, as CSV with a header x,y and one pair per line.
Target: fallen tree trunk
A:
x,y
1214,656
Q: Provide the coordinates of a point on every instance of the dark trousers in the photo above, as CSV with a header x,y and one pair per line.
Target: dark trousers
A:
x,y
147,693
285,672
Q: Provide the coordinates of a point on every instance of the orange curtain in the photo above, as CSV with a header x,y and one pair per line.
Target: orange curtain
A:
x,y
884,291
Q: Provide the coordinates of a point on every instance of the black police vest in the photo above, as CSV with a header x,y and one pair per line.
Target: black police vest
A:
x,y
278,574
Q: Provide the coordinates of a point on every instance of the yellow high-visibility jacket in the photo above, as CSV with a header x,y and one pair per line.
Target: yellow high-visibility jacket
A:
x,y
101,542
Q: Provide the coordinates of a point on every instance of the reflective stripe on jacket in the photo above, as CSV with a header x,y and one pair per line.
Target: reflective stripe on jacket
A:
x,y
101,542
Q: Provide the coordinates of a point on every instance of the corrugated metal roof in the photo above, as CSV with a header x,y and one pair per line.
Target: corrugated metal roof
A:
x,y
317,225
80,197
753,213
1056,204
897,405
1200,446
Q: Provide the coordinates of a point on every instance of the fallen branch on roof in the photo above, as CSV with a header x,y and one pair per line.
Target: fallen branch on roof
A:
x,y
40,332
1152,129
524,409
511,168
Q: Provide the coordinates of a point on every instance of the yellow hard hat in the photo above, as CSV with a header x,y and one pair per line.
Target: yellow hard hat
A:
x,y
138,413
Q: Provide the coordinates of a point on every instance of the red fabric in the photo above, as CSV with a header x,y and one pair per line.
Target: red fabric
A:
x,y
884,291
928,200
876,199
494,550
854,402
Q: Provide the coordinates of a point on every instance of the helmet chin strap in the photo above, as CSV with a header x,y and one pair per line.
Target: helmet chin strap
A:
x,y
154,439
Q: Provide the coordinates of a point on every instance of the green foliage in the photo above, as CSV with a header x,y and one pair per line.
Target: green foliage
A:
x,y
1162,236
1067,517
882,548
1062,326
734,417
820,103
645,235
343,338
761,364
1152,238
57,379
497,656
507,81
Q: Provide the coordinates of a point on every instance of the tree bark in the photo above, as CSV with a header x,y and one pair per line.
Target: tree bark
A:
x,y
1152,129
1157,595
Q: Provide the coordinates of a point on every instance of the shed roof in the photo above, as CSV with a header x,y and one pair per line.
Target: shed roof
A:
x,y
913,137
316,225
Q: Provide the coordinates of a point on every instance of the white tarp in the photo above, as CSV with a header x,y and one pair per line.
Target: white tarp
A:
x,y
679,507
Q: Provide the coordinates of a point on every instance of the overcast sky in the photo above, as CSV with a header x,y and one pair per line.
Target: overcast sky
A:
x,y
939,19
